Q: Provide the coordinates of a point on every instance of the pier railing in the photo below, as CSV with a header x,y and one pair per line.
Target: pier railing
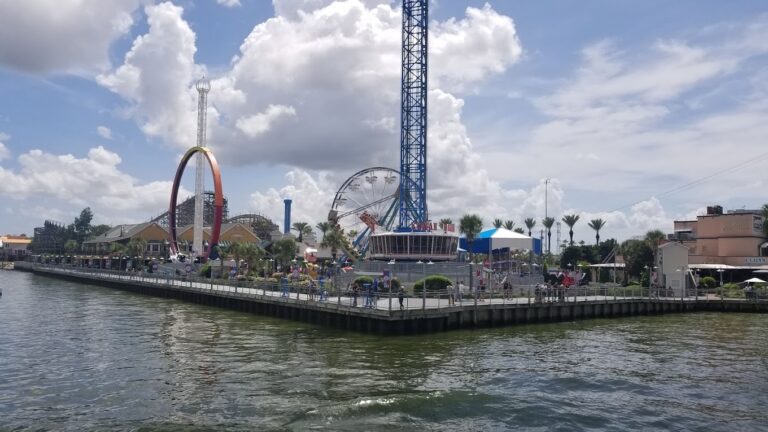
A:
x,y
377,302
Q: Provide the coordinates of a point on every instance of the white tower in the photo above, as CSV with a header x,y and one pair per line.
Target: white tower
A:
x,y
203,87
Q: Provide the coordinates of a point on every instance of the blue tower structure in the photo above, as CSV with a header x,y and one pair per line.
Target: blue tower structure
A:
x,y
413,117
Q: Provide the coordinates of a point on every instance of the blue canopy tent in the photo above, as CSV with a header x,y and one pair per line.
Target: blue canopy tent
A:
x,y
498,238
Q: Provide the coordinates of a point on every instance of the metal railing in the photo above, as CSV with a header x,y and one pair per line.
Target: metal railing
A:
x,y
340,295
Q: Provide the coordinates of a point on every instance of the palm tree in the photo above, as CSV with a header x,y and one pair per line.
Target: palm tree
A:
x,y
136,248
352,234
510,225
444,222
470,225
529,223
323,227
519,230
334,240
70,246
597,225
497,223
653,238
571,220
252,253
237,250
303,229
284,250
765,219
548,222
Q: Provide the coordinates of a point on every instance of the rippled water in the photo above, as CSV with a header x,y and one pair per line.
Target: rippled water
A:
x,y
77,357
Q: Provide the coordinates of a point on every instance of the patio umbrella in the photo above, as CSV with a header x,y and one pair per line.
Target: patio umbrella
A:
x,y
754,280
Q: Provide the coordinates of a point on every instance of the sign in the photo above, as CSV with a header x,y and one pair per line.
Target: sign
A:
x,y
757,224
756,260
154,267
188,268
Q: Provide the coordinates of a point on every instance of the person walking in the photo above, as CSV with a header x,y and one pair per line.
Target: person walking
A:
x,y
461,291
451,299
401,297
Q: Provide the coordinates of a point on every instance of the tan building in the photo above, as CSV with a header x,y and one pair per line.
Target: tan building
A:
x,y
230,233
155,236
14,247
735,238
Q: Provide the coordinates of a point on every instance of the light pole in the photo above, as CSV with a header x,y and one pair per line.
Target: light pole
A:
x,y
721,271
389,282
423,284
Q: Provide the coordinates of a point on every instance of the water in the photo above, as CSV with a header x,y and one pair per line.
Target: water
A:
x,y
77,357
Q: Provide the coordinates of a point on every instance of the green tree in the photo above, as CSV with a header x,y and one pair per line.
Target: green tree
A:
x,y
510,225
597,225
529,223
470,225
637,255
654,238
303,229
765,219
352,235
98,230
571,220
82,225
323,227
71,246
571,255
334,240
117,249
444,222
136,248
251,254
497,223
519,230
237,251
548,222
284,250
606,247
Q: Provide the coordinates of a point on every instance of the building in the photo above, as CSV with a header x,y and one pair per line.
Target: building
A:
x,y
155,236
230,233
14,247
672,267
735,238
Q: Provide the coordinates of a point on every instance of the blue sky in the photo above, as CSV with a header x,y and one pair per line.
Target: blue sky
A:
x,y
618,102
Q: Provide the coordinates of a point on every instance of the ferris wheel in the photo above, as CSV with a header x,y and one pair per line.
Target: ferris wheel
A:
x,y
367,202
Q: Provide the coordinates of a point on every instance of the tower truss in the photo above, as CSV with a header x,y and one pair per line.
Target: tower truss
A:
x,y
413,116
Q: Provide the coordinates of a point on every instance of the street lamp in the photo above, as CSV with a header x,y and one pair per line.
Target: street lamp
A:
x,y
721,271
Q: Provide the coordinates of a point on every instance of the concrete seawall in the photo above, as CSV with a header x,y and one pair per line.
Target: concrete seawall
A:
x,y
412,321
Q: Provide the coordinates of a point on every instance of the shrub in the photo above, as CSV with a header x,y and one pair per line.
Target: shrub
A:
x,y
363,280
205,270
731,290
434,283
708,282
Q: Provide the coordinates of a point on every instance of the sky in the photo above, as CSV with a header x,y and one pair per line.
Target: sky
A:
x,y
640,113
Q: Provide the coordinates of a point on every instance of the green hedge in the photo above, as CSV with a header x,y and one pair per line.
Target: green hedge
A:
x,y
434,283
731,290
708,282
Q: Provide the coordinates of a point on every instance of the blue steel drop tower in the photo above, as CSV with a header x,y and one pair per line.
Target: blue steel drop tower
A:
x,y
413,117
415,237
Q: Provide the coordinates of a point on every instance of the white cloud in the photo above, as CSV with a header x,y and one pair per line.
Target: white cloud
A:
x,y
94,180
229,3
304,190
104,132
158,77
47,36
260,123
333,66
4,152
